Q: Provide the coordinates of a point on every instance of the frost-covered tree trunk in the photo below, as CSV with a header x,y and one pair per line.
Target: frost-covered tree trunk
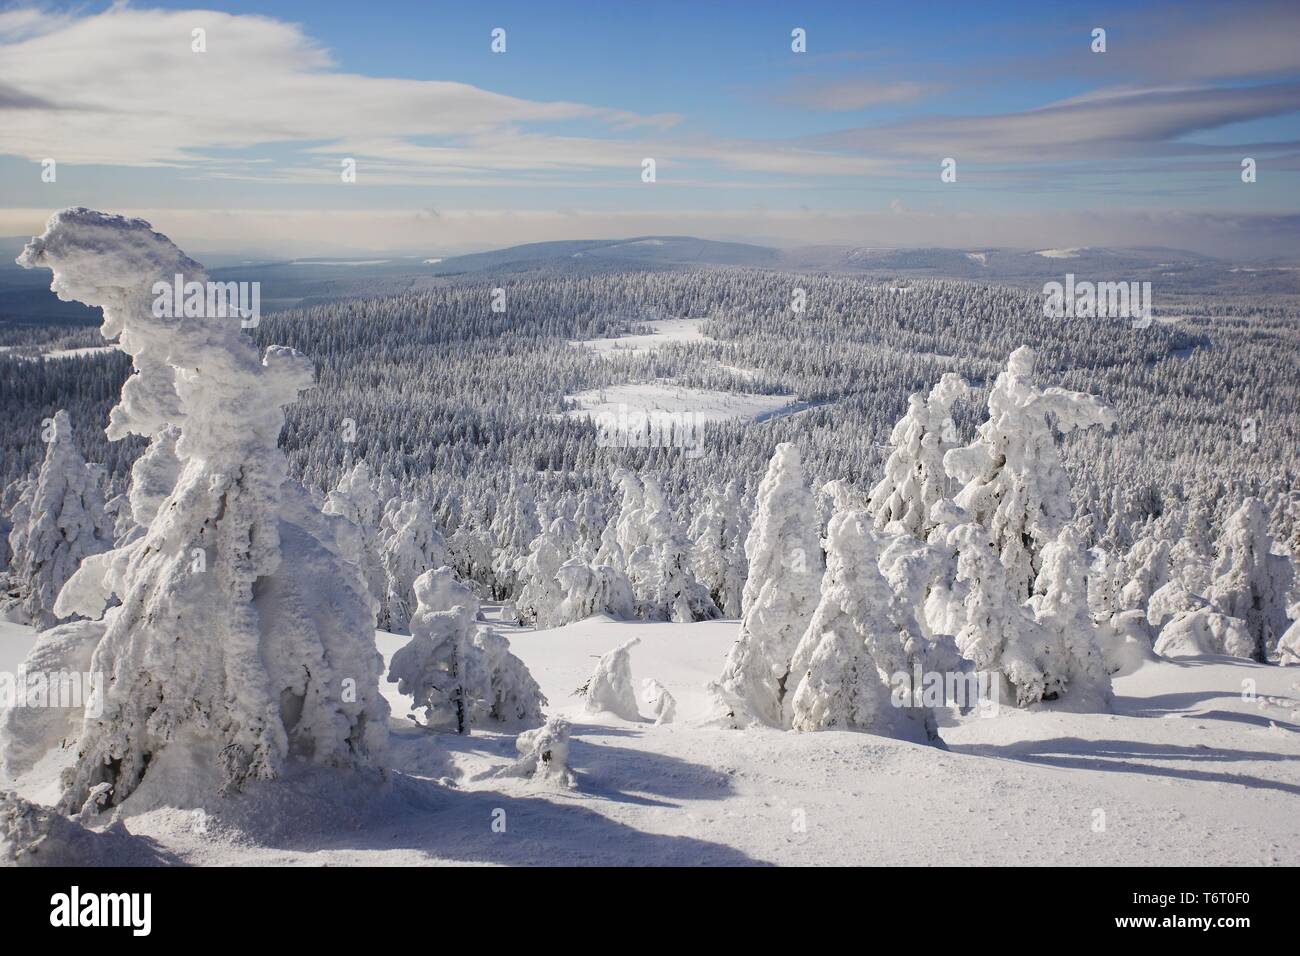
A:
x,y
915,479
1014,483
860,639
785,573
57,521
244,637
1249,581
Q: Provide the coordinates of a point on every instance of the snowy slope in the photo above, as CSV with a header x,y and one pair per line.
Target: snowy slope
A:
x,y
1185,772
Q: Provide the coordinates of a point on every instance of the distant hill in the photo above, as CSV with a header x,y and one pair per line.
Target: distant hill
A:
x,y
25,298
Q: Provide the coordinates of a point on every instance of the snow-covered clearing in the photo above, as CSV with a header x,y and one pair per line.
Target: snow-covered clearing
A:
x,y
666,332
1184,772
650,399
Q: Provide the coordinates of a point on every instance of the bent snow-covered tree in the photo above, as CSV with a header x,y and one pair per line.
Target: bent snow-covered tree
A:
x,y
243,638
58,521
1014,483
785,572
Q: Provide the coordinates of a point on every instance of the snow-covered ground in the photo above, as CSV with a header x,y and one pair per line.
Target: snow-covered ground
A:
x,y
666,331
697,405
1185,771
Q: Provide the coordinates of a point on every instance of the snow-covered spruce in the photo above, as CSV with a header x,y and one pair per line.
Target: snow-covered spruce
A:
x,y
410,546
915,479
1014,483
996,632
456,674
593,589
718,532
540,599
859,641
356,500
1205,631
240,679
543,755
660,566
1288,648
662,704
58,520
781,593
610,688
1249,582
1078,670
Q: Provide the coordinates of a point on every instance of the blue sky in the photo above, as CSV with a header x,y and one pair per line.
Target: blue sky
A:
x,y
457,147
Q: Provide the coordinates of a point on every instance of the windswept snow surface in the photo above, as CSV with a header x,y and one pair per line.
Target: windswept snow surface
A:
x,y
1185,772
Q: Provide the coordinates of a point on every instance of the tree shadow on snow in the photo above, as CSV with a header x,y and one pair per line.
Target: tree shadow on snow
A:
x,y
641,775
484,826
1185,704
1126,756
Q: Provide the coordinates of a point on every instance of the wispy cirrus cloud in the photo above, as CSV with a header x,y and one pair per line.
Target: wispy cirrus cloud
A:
x,y
854,93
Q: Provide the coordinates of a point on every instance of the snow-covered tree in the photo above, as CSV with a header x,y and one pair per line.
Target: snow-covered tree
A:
x,y
1145,569
57,521
593,589
410,545
1204,630
915,479
1249,581
543,755
785,562
1288,646
662,704
610,690
542,594
501,687
859,641
1014,483
1078,668
514,527
457,674
243,638
660,568
355,499
1192,556
719,559
997,633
